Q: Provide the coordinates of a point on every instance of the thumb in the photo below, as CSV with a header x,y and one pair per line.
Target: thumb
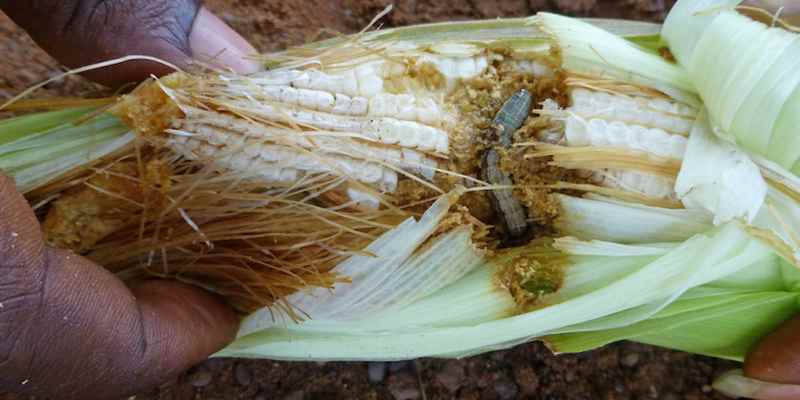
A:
x,y
79,33
71,329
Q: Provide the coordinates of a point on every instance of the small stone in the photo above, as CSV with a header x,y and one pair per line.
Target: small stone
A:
x,y
200,379
630,360
242,374
505,388
706,389
403,387
376,371
451,376
296,395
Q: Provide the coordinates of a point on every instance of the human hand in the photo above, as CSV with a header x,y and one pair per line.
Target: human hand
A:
x,y
80,32
69,328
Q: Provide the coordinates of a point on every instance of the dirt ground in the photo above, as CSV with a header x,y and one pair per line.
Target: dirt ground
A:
x,y
620,371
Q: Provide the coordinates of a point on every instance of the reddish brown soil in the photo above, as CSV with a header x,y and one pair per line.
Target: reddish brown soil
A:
x,y
620,371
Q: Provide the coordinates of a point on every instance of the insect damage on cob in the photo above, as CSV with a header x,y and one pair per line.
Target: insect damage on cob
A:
x,y
493,181
373,148
392,128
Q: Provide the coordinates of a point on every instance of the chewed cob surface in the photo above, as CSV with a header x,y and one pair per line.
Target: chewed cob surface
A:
x,y
492,181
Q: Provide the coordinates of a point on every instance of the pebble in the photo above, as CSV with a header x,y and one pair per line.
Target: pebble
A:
x,y
242,374
630,360
376,371
200,379
403,386
451,376
505,388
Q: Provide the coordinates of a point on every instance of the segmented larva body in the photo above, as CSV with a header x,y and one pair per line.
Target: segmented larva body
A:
x,y
656,126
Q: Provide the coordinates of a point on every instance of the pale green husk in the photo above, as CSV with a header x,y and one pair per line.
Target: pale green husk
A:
x,y
745,72
41,148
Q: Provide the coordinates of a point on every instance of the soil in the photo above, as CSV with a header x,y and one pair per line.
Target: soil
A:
x,y
618,371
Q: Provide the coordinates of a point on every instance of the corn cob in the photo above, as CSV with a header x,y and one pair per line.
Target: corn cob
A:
x,y
377,120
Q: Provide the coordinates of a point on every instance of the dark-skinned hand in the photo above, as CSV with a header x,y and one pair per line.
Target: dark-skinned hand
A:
x,y
69,329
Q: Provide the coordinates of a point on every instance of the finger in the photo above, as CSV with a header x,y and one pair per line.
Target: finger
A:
x,y
776,358
214,42
71,329
183,325
81,32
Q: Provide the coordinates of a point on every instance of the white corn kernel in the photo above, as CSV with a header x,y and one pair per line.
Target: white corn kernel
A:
x,y
652,113
599,132
363,199
637,182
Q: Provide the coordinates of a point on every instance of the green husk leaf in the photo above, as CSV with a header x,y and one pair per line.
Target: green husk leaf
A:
x,y
21,127
610,220
745,72
516,33
597,290
722,323
40,148
588,49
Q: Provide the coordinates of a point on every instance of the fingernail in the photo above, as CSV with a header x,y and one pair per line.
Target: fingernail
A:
x,y
212,41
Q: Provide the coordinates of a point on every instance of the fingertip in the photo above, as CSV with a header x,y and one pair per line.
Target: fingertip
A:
x,y
212,40
776,357
198,322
